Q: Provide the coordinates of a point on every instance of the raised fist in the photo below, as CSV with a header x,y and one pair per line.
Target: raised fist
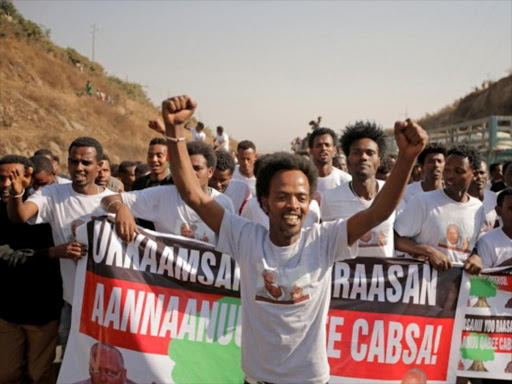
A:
x,y
157,126
410,137
177,110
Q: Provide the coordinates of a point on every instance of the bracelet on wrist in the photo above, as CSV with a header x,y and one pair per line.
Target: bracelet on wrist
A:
x,y
174,139
17,196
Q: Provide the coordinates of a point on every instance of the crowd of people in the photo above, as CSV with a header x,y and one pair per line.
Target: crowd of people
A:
x,y
278,215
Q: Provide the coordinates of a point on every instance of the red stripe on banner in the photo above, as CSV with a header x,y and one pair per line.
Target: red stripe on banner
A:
x,y
499,342
136,316
385,346
504,282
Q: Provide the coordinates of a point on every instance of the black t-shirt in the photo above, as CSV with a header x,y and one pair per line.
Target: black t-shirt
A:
x,y
498,186
146,182
31,293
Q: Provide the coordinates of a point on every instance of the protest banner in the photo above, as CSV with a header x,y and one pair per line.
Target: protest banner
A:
x,y
170,306
486,346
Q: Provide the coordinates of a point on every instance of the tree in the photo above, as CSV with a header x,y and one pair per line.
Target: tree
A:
x,y
482,287
477,347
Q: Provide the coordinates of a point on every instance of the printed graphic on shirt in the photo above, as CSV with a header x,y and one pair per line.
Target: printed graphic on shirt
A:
x,y
197,230
373,239
455,239
283,286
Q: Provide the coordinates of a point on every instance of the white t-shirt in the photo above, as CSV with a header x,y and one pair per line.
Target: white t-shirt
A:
x,y
62,180
411,190
337,177
434,219
284,314
239,193
197,136
164,207
59,205
250,181
223,141
342,203
490,201
494,248
252,211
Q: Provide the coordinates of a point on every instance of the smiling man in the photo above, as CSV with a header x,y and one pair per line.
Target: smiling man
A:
x,y
426,227
275,348
62,204
157,161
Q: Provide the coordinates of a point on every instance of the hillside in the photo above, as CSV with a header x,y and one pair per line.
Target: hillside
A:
x,y
43,103
493,98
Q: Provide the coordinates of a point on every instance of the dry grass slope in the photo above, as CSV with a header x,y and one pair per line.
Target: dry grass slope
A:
x,y
42,101
494,99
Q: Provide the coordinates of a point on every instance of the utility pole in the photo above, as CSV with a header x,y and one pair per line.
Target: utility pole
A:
x,y
93,33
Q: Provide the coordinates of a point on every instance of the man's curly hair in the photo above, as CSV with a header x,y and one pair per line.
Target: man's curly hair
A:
x,y
269,165
473,156
431,148
363,130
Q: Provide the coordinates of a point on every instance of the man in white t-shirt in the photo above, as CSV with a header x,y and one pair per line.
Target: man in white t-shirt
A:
x,y
63,206
322,146
221,140
432,160
164,206
285,343
364,146
478,189
222,180
495,247
246,156
443,225
198,132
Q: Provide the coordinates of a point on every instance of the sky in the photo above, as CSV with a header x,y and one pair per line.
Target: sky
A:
x,y
264,69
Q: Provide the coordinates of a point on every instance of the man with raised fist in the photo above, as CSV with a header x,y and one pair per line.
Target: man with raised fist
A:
x,y
275,348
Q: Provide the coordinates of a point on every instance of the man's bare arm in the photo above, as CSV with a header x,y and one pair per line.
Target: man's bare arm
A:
x,y
126,228
411,139
438,259
175,112
17,210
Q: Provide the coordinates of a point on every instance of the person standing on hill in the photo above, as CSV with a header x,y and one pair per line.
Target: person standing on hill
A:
x,y
88,88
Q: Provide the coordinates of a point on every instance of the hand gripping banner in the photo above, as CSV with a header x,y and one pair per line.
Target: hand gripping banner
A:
x,y
166,309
